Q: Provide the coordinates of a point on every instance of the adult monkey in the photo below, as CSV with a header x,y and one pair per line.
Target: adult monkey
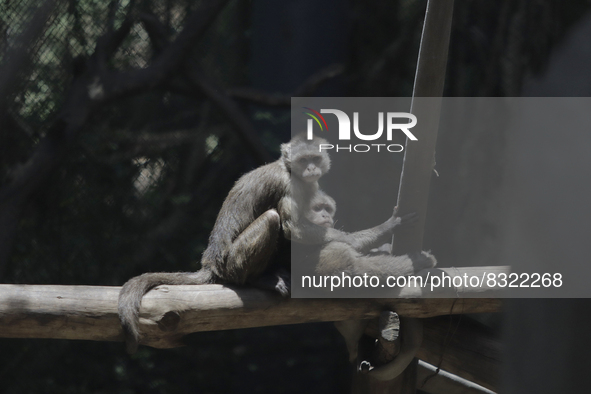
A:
x,y
261,211
246,232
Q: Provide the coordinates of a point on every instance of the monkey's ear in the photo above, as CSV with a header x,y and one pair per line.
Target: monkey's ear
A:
x,y
333,203
286,154
325,162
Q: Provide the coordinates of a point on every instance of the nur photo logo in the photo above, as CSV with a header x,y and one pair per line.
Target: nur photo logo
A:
x,y
394,121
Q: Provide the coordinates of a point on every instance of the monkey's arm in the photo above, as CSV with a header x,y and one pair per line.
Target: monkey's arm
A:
x,y
365,240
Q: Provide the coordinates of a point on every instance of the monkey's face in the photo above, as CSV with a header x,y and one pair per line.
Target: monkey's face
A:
x,y
321,214
309,167
304,159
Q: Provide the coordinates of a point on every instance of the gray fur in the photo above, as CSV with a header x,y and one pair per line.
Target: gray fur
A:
x,y
335,257
246,234
130,298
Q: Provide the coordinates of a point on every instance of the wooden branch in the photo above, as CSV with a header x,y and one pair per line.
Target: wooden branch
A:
x,y
93,87
17,57
156,30
107,44
274,99
460,347
259,96
170,312
419,156
405,382
171,57
315,80
236,116
413,194
199,83
438,287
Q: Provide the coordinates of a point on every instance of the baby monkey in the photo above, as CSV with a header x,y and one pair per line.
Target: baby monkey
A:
x,y
334,258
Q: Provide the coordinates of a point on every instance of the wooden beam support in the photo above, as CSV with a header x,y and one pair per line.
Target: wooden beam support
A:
x,y
419,156
169,313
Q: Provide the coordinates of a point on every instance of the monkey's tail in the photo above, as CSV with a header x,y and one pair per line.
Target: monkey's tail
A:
x,y
130,298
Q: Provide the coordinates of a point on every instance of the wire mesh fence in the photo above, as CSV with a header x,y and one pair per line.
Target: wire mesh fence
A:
x,y
72,31
132,177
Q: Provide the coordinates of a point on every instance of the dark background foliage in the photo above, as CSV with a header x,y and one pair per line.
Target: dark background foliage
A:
x,y
138,187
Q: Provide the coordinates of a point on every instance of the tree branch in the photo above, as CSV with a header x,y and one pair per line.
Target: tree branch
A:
x,y
199,83
306,89
236,116
172,56
93,87
168,313
17,57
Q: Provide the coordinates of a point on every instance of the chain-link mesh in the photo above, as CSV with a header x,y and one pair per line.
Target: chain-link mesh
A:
x,y
140,186
72,30
134,173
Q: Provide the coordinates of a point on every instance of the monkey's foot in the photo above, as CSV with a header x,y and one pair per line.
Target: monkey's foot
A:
x,y
279,281
423,260
283,285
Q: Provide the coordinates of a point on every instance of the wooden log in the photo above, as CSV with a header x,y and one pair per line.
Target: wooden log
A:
x,y
465,288
168,313
419,156
456,283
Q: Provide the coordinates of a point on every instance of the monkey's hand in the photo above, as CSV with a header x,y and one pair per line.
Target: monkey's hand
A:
x,y
400,222
407,220
396,223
